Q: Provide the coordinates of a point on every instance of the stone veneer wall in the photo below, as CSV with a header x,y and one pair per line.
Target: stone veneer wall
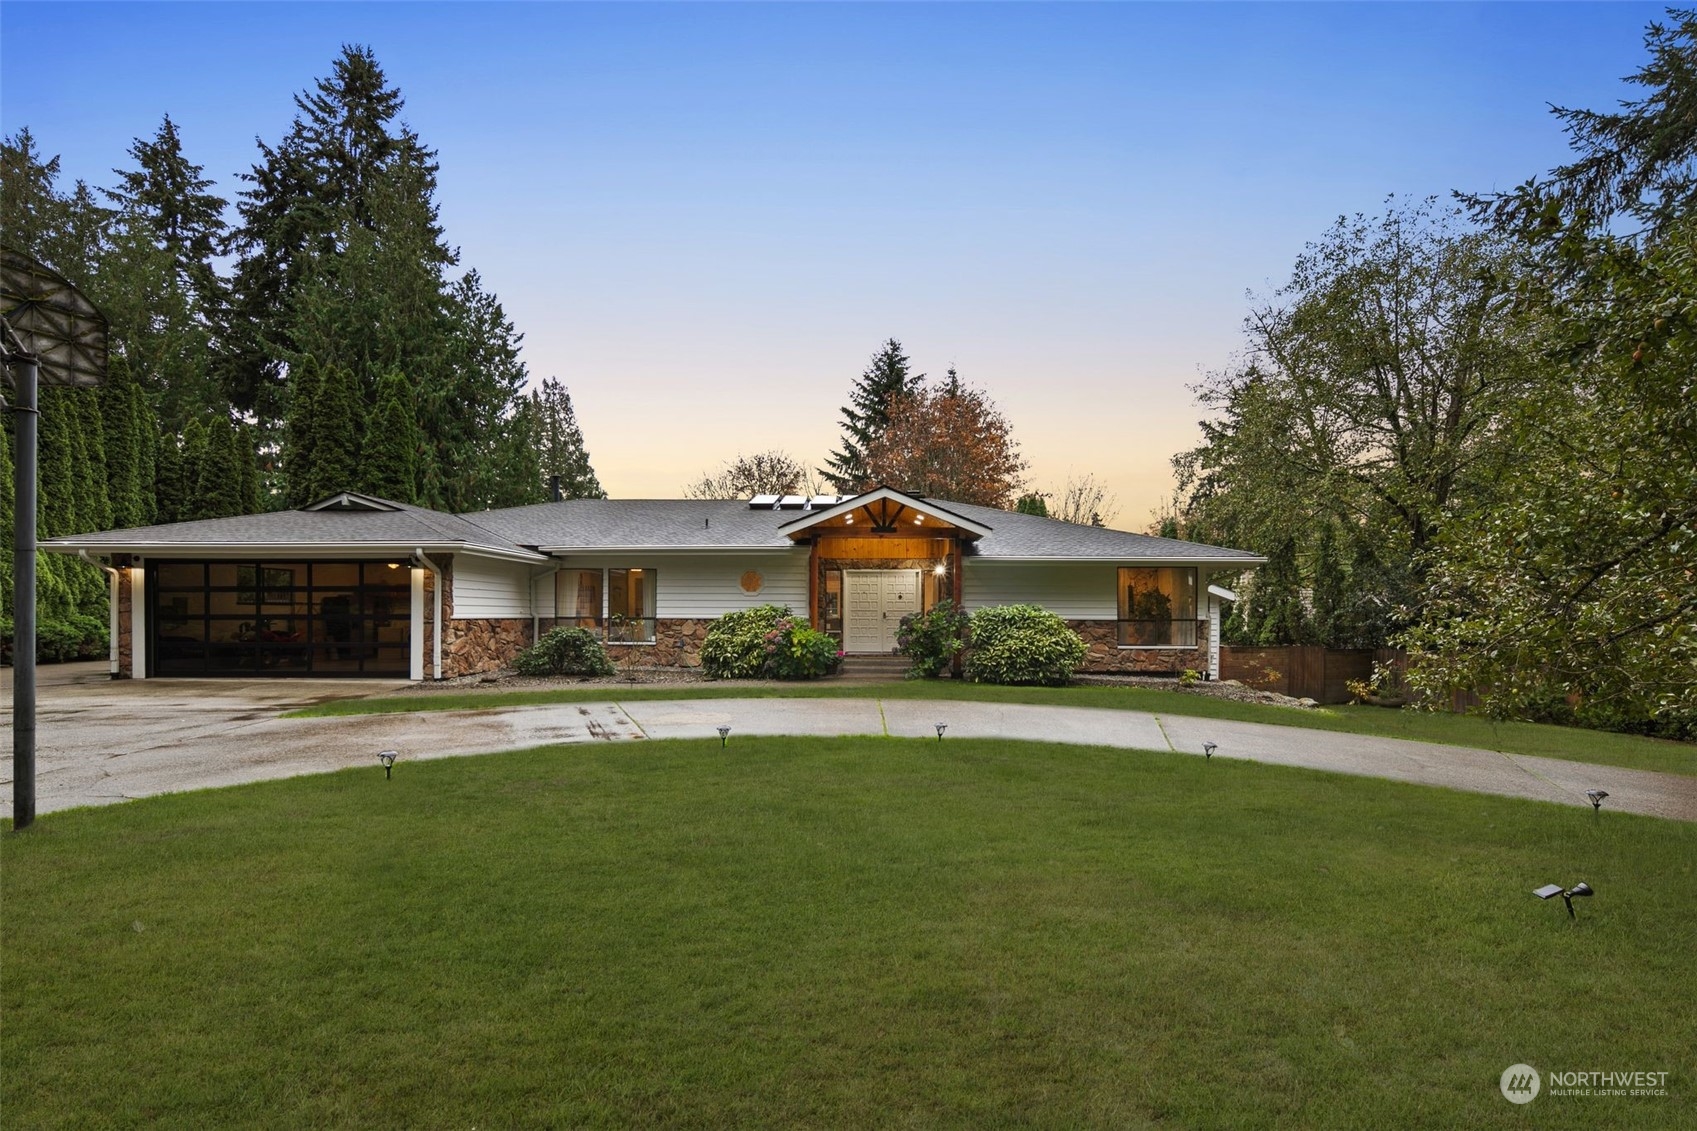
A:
x,y
1102,638
677,643
486,644
126,646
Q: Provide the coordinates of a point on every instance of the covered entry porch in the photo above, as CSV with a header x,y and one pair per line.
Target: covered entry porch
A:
x,y
875,559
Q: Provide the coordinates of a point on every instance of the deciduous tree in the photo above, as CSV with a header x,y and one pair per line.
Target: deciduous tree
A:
x,y
948,445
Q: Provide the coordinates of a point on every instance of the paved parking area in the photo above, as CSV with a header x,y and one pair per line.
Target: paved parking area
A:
x,y
102,741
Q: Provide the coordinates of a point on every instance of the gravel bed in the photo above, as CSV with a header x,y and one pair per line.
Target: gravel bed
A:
x,y
685,677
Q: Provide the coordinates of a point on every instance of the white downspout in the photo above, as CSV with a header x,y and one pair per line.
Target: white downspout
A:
x,y
535,614
436,625
112,613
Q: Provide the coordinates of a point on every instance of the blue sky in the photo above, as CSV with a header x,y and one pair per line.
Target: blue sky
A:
x,y
705,217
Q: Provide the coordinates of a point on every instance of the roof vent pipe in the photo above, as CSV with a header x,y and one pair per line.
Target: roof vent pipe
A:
x,y
554,487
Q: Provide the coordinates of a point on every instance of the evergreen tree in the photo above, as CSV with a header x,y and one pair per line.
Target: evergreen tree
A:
x,y
94,500
145,428
247,442
300,433
218,488
865,417
169,493
389,461
306,199
560,443
1278,616
196,440
516,478
1329,595
171,195
123,445
337,413
1032,502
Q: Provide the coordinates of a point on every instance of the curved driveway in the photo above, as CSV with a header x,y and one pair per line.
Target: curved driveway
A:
x,y
102,742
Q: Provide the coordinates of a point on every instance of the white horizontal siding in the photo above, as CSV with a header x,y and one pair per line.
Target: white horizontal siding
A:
x,y
484,588
702,586
1071,590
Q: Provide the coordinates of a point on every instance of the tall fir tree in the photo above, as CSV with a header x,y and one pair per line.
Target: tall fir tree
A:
x,y
1278,615
338,414
170,499
1329,591
887,376
124,483
389,460
218,488
300,434
560,443
196,441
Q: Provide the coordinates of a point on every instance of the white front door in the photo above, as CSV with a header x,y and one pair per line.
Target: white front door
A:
x,y
874,603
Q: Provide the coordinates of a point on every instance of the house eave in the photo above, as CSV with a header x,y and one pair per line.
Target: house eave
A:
x,y
285,549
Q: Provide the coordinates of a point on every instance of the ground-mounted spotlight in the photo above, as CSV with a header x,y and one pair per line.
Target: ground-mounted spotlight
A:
x,y
1208,749
1596,796
941,727
724,735
388,759
1579,890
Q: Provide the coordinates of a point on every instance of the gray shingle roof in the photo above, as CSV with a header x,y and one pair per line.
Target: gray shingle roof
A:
x,y
622,524
587,525
404,526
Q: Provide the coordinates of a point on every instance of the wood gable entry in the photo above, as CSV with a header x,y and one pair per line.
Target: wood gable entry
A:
x,y
886,543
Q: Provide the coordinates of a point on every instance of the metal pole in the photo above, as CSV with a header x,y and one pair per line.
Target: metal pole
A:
x,y
23,605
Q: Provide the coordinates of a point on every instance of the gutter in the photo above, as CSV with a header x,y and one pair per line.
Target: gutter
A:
x,y
112,602
436,623
339,550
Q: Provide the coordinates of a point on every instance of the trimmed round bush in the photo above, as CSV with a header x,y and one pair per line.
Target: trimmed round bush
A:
x,y
1022,644
766,642
565,651
931,640
735,647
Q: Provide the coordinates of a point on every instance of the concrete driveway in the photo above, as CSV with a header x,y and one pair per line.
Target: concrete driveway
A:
x,y
102,741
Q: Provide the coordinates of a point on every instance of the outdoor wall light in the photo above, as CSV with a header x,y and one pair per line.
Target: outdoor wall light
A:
x,y
1578,890
388,759
941,727
724,735
1596,796
1208,749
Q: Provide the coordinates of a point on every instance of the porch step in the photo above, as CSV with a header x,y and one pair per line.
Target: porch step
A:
x,y
873,669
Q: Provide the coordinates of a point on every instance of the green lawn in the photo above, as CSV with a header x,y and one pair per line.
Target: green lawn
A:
x,y
1568,743
848,932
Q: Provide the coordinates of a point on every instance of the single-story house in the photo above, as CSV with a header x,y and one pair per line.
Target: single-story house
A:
x,y
356,585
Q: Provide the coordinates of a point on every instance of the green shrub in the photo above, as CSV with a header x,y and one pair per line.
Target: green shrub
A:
x,y
931,640
735,647
74,637
795,651
565,651
1022,644
766,642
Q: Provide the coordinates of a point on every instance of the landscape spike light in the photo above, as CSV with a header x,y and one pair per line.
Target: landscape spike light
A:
x,y
388,757
724,735
941,727
1596,796
1580,890
1208,749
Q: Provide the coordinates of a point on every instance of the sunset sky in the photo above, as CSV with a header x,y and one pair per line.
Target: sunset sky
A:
x,y
706,217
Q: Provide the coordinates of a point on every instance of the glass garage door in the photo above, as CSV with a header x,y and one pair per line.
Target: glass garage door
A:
x,y
279,618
